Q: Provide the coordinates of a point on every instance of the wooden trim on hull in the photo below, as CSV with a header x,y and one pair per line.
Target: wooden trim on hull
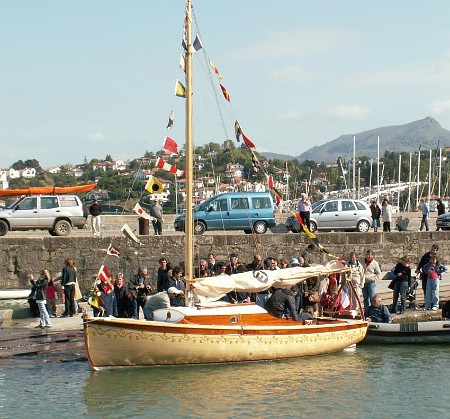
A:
x,y
152,343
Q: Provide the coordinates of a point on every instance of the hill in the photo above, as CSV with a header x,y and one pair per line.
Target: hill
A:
x,y
406,138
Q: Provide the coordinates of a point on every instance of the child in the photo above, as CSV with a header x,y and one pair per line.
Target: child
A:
x,y
433,270
52,296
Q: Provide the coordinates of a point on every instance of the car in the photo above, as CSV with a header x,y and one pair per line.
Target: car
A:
x,y
336,214
443,221
247,211
58,214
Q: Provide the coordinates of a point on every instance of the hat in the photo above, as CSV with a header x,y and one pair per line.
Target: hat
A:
x,y
173,290
294,262
233,255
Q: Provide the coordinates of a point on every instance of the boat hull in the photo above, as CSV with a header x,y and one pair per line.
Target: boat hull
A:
x,y
143,343
418,332
48,190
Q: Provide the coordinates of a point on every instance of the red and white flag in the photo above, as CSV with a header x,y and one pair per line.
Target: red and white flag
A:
x,y
112,251
161,164
140,211
170,145
105,277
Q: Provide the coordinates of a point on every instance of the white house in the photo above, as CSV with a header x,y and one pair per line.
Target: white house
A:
x,y
14,174
28,172
54,170
4,184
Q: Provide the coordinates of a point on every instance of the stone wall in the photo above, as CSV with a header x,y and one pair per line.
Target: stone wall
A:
x,y
21,256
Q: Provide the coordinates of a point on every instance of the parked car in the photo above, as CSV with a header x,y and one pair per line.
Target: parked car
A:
x,y
58,214
247,211
336,214
443,221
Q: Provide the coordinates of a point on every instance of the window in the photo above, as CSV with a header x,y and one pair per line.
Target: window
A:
x,y
49,202
219,205
28,204
331,206
360,206
262,202
239,203
347,206
68,201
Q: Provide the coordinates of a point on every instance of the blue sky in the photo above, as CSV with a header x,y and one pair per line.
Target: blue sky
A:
x,y
87,78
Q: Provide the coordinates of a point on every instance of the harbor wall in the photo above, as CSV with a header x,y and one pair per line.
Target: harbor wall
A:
x,y
20,256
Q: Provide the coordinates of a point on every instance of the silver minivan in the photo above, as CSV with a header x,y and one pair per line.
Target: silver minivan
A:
x,y
56,213
247,211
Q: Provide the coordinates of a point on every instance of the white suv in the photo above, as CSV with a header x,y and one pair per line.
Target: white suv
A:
x,y
56,213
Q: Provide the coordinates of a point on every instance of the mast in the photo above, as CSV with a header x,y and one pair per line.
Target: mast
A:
x,y
189,224
378,168
354,166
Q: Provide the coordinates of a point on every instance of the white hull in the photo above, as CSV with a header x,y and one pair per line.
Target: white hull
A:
x,y
13,294
122,342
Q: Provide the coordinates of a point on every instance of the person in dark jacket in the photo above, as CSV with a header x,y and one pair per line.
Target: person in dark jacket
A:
x,y
41,296
402,281
95,210
120,291
107,303
138,289
68,279
282,300
376,213
440,208
378,312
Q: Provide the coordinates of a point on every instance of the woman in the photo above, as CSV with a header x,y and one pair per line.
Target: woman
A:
x,y
357,278
402,282
434,270
41,288
120,291
372,274
386,210
304,209
68,280
376,213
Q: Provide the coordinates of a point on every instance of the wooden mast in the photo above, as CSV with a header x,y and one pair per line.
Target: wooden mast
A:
x,y
189,225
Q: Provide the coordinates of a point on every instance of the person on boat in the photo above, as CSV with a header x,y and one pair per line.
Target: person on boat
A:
x,y
297,262
372,273
308,254
434,271
212,264
202,267
256,264
121,294
357,278
41,288
107,302
423,261
310,295
138,289
51,296
68,280
423,206
402,281
376,213
179,284
284,263
156,212
163,299
96,211
233,265
163,281
304,209
280,301
378,312
386,213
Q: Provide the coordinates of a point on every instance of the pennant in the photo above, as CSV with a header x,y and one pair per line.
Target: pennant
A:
x,y
170,145
247,141
180,90
197,44
182,63
255,162
344,299
226,95
215,69
126,230
154,185
112,251
140,211
93,299
237,131
171,118
105,277
161,164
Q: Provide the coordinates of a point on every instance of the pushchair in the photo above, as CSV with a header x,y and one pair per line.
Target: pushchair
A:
x,y
411,293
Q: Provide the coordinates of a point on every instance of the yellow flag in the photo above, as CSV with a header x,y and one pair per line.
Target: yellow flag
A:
x,y
154,185
180,90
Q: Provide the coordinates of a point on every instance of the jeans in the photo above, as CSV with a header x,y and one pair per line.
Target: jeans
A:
x,y
424,223
368,293
43,313
400,288
432,294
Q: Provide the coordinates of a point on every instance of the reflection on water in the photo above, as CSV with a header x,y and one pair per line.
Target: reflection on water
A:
x,y
368,382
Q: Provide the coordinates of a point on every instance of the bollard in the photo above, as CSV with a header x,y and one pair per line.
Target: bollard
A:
x,y
144,226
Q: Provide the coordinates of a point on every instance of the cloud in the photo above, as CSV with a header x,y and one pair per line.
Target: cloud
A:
x,y
292,74
292,115
96,137
293,43
440,107
354,112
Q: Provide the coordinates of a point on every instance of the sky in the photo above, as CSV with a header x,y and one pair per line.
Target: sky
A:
x,y
82,79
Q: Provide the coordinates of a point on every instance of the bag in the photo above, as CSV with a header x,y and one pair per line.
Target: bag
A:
x,y
313,297
391,285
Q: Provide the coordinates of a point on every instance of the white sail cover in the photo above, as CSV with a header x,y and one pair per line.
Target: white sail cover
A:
x,y
215,287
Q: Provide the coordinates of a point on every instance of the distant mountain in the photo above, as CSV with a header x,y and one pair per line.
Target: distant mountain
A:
x,y
276,156
407,138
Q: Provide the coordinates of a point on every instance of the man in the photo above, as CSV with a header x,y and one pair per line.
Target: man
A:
x,y
307,255
282,301
378,312
160,300
95,210
212,265
426,258
156,212
425,214
138,291
440,208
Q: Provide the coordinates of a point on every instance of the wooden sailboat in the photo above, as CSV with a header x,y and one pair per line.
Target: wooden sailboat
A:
x,y
212,331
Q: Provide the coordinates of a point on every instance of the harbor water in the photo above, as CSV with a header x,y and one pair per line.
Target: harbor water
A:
x,y
366,382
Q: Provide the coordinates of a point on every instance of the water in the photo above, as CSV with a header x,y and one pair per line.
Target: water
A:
x,y
369,382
